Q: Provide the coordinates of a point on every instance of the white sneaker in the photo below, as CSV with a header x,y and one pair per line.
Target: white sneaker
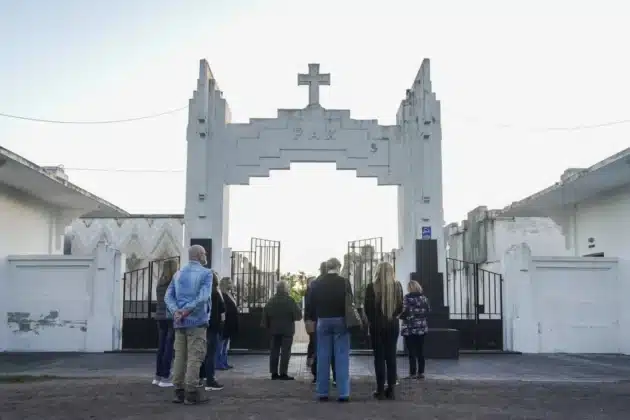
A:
x,y
156,381
165,383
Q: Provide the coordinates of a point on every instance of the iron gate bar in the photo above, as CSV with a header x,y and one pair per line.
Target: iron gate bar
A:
x,y
255,273
268,272
363,257
474,297
139,305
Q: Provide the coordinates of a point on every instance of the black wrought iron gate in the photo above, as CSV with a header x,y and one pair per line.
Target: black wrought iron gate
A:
x,y
254,276
359,267
255,273
139,329
474,298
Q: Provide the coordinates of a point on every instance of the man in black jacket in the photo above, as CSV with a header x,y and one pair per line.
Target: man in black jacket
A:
x,y
308,310
279,317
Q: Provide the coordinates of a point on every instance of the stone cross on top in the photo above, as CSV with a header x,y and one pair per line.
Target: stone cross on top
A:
x,y
313,79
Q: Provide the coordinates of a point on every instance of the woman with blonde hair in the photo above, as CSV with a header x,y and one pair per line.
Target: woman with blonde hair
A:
x,y
166,334
416,308
383,304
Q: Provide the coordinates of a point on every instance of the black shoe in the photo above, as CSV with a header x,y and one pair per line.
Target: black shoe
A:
x,y
379,395
323,399
285,378
213,385
275,376
343,399
195,398
180,395
314,381
420,376
389,393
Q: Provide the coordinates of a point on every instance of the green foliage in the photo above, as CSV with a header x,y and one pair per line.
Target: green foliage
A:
x,y
297,284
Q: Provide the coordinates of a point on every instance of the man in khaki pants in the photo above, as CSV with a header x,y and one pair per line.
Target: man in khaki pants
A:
x,y
187,298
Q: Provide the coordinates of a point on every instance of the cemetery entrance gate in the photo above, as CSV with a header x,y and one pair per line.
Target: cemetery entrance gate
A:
x,y
254,275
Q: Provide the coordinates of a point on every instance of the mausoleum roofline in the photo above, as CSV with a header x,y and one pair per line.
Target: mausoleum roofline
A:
x,y
48,186
576,185
141,216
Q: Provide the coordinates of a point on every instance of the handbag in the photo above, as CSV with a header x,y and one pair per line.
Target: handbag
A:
x,y
352,317
309,326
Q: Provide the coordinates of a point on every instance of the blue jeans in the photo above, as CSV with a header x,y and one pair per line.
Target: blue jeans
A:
x,y
221,360
207,367
164,356
332,334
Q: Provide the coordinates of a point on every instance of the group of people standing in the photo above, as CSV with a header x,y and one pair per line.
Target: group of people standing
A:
x,y
197,317
328,304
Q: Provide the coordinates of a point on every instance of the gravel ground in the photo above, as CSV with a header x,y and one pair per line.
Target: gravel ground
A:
x,y
133,398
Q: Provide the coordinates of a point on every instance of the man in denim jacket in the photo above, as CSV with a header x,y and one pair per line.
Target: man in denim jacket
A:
x,y
187,298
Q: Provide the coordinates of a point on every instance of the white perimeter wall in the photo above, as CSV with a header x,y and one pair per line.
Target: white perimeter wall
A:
x,y
541,234
606,219
563,304
61,303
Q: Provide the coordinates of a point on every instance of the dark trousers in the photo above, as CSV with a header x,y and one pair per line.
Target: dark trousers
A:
x,y
384,345
310,350
207,367
164,357
314,364
415,348
280,352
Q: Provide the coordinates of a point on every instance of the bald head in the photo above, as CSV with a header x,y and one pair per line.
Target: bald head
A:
x,y
197,253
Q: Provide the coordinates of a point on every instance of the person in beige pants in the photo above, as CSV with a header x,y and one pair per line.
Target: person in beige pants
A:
x,y
187,299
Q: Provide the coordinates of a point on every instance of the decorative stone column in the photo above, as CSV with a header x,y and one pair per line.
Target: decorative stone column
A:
x,y
207,196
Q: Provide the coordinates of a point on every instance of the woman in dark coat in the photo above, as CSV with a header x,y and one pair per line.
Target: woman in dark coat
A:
x,y
166,335
230,327
215,327
416,309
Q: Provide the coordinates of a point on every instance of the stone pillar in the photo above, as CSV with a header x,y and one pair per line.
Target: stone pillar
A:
x,y
519,328
103,323
207,196
420,197
420,206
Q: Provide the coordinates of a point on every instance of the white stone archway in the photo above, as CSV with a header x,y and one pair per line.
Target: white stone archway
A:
x,y
408,154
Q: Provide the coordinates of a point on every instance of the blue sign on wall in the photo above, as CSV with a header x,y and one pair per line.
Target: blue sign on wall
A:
x,y
426,232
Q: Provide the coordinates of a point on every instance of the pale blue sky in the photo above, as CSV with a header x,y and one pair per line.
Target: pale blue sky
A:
x,y
526,65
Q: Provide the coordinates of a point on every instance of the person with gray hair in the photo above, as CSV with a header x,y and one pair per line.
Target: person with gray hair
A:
x,y
328,306
187,299
279,317
311,358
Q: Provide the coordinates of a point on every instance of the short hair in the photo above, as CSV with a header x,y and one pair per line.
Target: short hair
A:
x,y
322,268
224,283
195,252
333,264
282,287
414,286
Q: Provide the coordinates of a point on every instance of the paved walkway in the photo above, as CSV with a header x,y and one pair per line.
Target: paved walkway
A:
x,y
532,368
253,399
488,387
